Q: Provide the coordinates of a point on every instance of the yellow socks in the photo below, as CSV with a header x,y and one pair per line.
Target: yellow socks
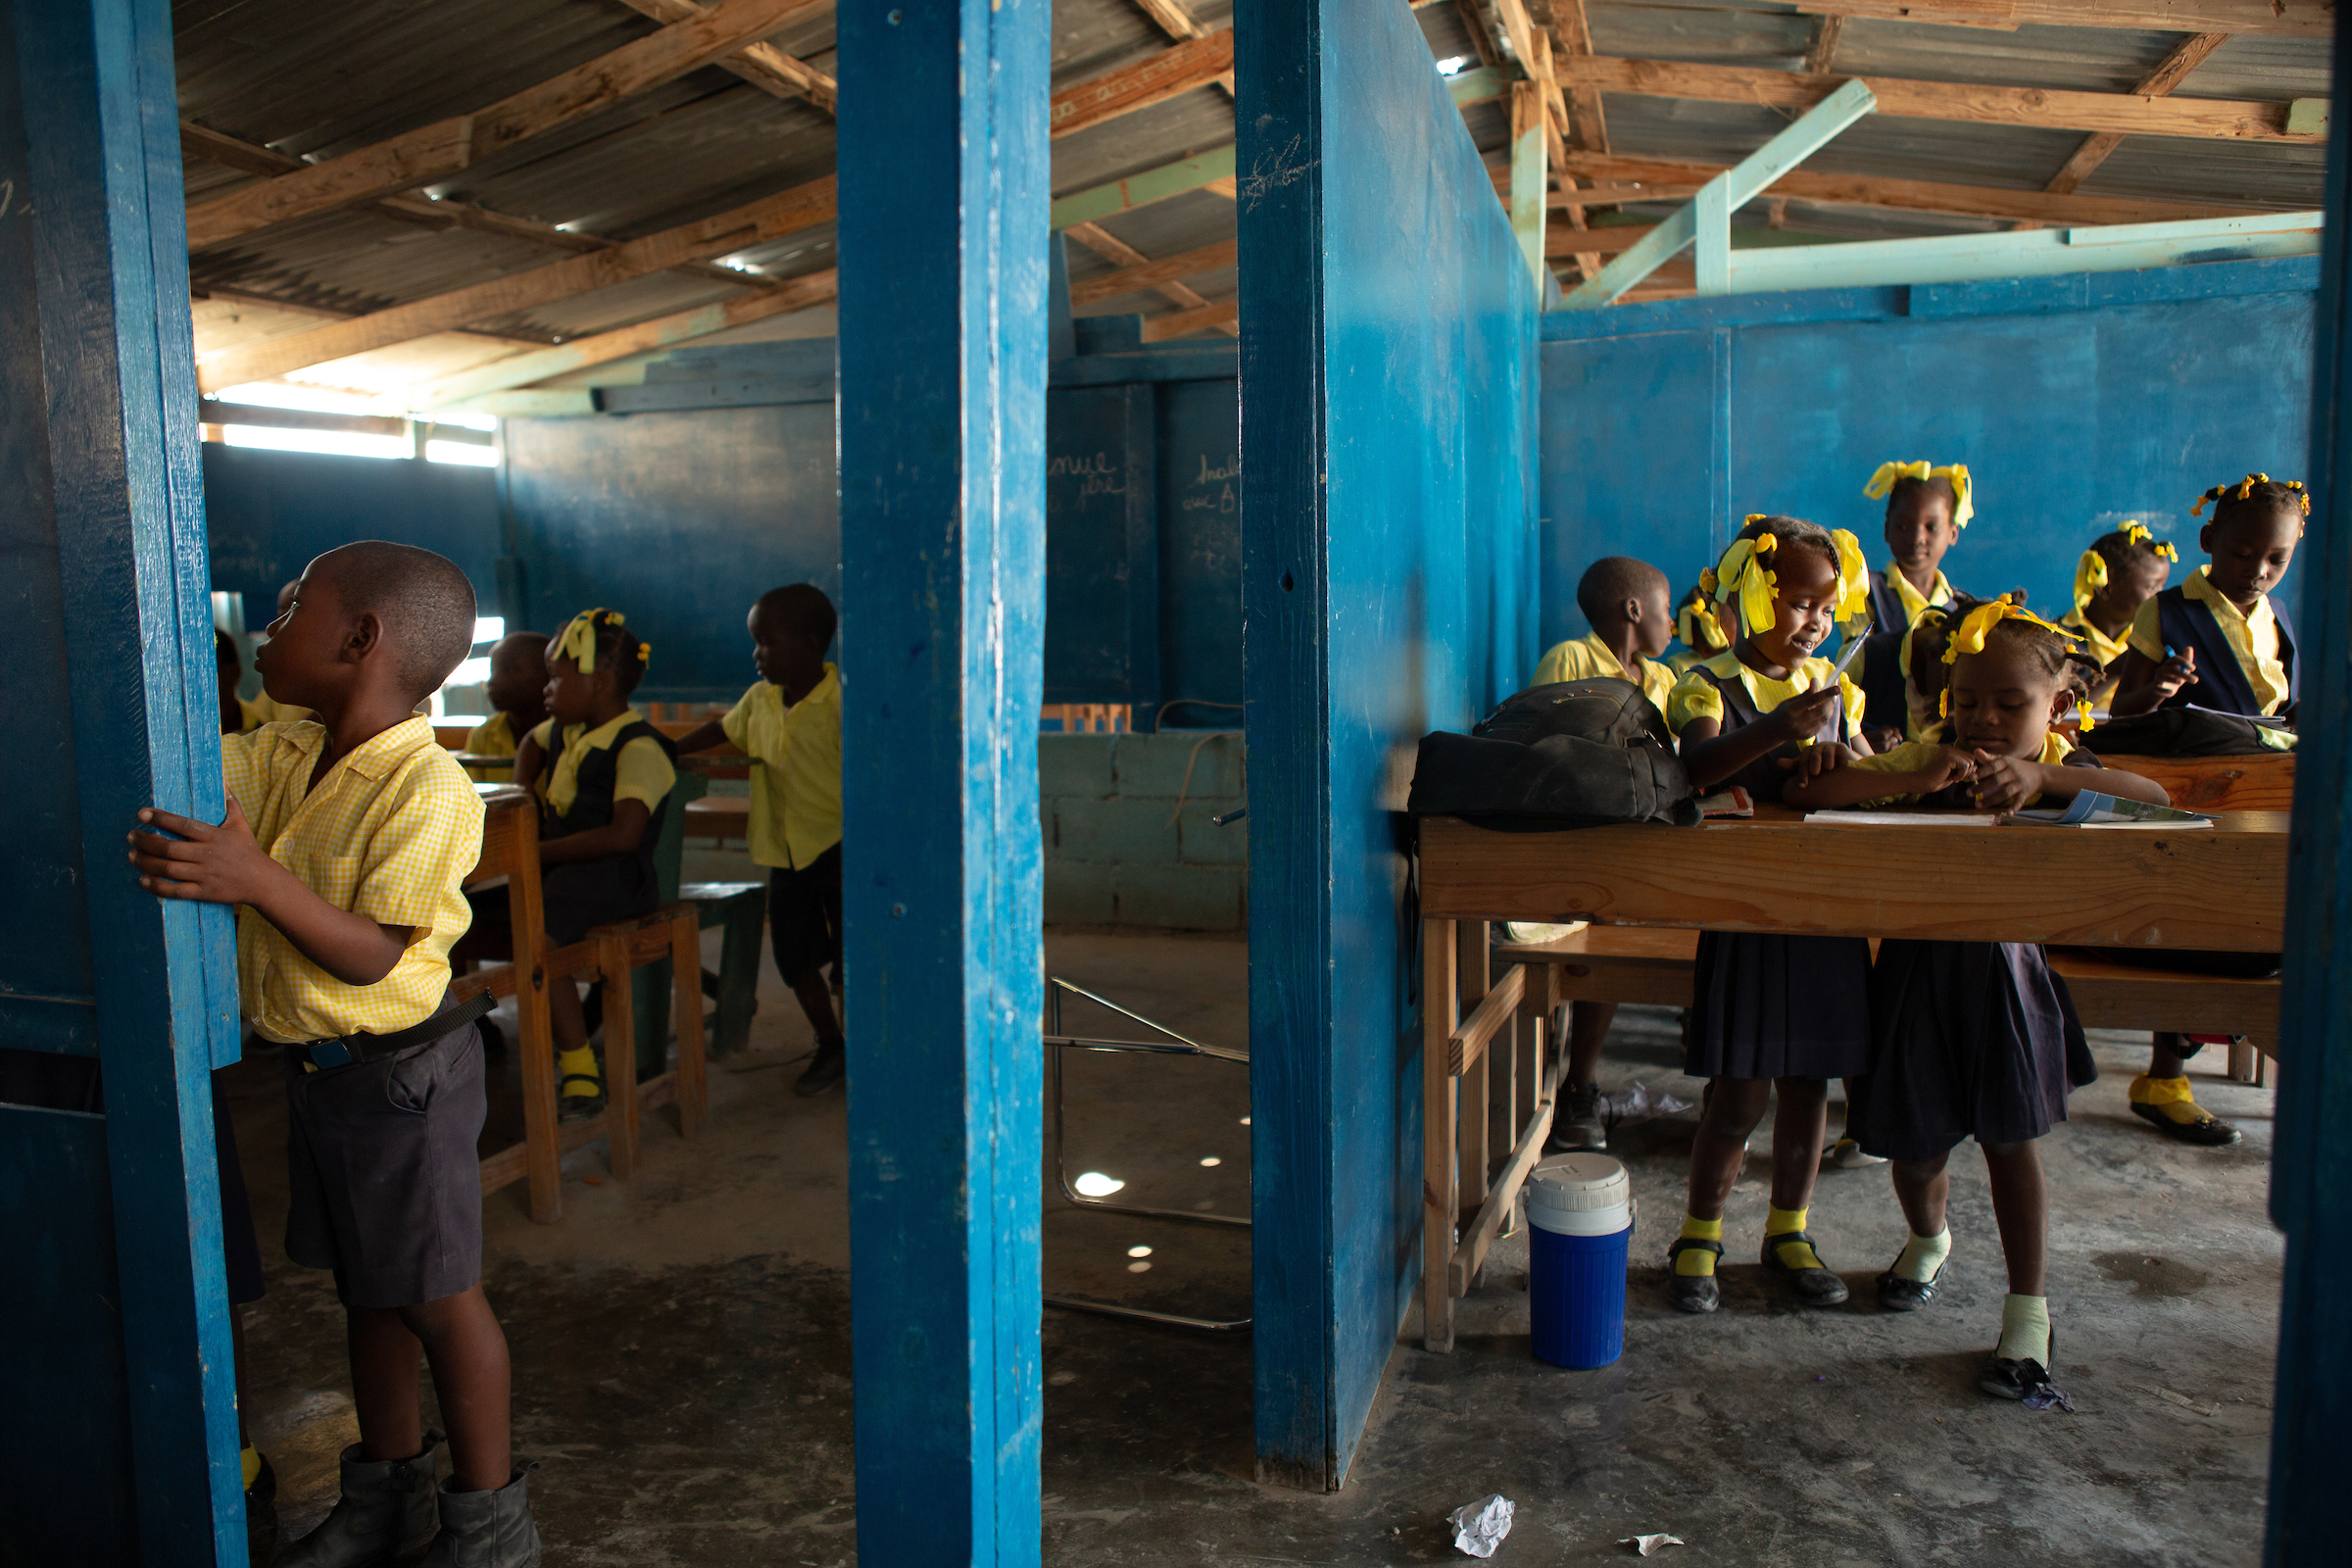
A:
x,y
1780,1222
577,1063
1922,1257
2025,1329
2169,1097
252,1460
1697,1262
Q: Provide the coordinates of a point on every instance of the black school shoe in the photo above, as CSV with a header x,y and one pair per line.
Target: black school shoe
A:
x,y
2005,1379
2208,1131
1576,1128
1900,1293
825,1072
261,1514
1692,1292
570,1107
1814,1286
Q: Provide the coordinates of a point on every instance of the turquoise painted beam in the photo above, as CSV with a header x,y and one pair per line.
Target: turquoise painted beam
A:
x,y
1723,196
2030,253
1482,85
1136,190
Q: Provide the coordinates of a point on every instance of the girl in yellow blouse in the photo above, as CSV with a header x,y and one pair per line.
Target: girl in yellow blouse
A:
x,y
1978,1038
2119,573
1770,1011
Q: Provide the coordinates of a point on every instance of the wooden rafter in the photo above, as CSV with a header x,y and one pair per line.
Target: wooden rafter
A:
x,y
1144,82
580,354
1821,55
2192,52
445,147
1222,316
763,65
1572,33
2296,19
2051,106
231,152
1151,274
1110,247
754,223
1173,19
1911,195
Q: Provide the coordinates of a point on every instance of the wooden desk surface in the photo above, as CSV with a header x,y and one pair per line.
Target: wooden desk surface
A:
x,y
2222,887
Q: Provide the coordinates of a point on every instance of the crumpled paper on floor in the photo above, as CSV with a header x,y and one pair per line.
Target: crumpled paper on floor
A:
x,y
1478,1526
1638,1104
1646,1545
2043,1397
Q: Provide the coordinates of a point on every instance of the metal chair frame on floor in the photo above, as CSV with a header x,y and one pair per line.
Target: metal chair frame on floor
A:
x,y
1175,1045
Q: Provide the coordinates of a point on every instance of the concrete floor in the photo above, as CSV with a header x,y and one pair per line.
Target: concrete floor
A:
x,y
681,1344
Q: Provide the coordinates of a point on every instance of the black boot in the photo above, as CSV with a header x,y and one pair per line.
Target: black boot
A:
x,y
487,1529
261,1514
386,1509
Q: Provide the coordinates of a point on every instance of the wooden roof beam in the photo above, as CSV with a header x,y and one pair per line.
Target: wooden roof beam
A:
x,y
1173,19
754,223
1153,80
447,146
1105,244
2293,19
2192,52
763,65
1222,316
2048,107
1151,274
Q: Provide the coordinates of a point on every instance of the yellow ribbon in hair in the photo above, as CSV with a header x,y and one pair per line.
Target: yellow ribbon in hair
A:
x,y
1742,571
578,642
2137,533
2245,491
1853,574
2082,721
2090,576
1883,482
1977,625
1695,623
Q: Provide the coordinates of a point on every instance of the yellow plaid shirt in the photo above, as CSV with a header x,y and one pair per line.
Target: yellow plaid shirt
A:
x,y
390,833
493,737
1584,657
796,790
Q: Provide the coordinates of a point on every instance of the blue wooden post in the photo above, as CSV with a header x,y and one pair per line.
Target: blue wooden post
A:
x,y
102,530
944,197
1387,529
2311,1169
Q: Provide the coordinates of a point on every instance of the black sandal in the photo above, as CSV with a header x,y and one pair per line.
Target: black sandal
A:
x,y
1692,1292
1814,1286
579,1107
1900,1293
2021,1379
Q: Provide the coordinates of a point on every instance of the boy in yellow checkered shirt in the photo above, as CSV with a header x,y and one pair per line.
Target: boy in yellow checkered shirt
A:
x,y
346,838
790,721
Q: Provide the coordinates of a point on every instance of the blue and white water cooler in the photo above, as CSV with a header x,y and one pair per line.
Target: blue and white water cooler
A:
x,y
1580,1214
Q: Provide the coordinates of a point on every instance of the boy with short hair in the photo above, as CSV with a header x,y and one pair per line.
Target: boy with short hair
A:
x,y
343,848
1628,604
518,693
790,721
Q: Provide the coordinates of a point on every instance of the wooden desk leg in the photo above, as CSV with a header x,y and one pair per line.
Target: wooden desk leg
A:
x,y
543,1155
686,991
621,1053
1474,1101
1440,1195
2245,1063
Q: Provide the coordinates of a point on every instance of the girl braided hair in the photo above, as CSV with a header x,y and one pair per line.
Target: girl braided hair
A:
x,y
2254,495
2048,649
600,635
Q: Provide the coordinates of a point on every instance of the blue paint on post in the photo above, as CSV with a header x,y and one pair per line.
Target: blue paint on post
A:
x,y
943,468
2311,1166
109,546
2068,400
1389,555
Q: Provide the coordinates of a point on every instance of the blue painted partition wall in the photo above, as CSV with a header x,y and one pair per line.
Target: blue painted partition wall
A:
x,y
1389,574
2067,397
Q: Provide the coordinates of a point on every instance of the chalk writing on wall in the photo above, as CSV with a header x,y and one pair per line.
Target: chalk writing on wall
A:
x,y
1213,488
10,205
1100,476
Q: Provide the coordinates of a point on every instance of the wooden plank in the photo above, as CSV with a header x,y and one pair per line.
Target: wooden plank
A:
x,y
1572,30
584,353
1110,247
754,223
2051,106
1473,975
1439,1176
1171,18
2169,72
1471,1254
1145,275
2120,995
1209,171
2292,18
1465,1044
613,966
2216,887
1209,317
686,1022
763,65
2261,783
1915,195
1821,57
1140,86
441,149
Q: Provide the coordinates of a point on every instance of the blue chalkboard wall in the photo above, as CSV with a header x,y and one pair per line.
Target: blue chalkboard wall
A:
x,y
2071,399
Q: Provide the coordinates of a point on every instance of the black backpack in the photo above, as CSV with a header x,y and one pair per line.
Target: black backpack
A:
x,y
2182,732
1578,754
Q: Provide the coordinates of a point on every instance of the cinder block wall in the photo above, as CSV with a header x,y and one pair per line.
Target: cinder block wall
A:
x,y
1119,848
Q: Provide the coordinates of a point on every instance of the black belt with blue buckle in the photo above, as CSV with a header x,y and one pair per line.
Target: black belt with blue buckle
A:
x,y
345,1049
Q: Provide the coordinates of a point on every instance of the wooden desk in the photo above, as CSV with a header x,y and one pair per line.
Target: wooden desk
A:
x,y
1484,1065
2262,782
510,850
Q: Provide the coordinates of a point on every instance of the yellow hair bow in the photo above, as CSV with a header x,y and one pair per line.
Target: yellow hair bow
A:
x,y
1883,482
1742,571
1853,574
1977,625
2082,720
2245,491
2090,576
578,641
2137,533
1695,623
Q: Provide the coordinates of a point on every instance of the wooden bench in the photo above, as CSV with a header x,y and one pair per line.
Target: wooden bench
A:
x,y
1623,963
2262,782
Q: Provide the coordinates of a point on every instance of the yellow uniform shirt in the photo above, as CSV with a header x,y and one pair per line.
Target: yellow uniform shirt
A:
x,y
1910,754
1583,657
1693,697
641,772
1913,603
249,716
2103,647
267,709
2253,639
389,833
796,790
494,737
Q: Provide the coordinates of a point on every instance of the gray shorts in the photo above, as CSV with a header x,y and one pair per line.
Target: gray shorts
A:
x,y
385,1178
